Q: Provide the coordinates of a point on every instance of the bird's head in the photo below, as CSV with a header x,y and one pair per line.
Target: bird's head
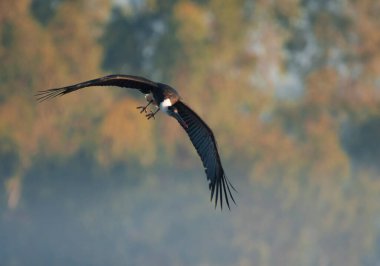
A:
x,y
173,111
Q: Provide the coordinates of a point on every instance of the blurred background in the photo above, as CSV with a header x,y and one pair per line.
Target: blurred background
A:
x,y
291,89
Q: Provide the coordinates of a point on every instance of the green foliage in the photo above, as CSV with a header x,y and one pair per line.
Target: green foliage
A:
x,y
361,142
44,10
135,42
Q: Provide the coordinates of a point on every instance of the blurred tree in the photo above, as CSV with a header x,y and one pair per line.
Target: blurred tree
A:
x,y
137,135
38,65
9,158
290,90
360,140
44,10
141,40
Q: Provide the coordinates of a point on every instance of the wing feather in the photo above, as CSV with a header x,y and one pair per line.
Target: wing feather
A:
x,y
204,142
127,81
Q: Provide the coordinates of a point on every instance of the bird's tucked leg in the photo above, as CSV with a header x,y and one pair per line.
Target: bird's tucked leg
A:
x,y
143,108
152,114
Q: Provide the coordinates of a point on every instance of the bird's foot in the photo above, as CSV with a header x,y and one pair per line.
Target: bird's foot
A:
x,y
151,115
143,109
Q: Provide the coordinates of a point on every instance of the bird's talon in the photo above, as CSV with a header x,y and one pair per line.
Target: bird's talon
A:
x,y
150,115
143,109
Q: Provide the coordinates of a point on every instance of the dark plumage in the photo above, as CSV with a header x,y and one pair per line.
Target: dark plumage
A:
x,y
168,100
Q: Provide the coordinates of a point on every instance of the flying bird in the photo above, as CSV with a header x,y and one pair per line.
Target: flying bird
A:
x,y
167,99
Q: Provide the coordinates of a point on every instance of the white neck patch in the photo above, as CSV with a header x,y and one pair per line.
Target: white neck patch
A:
x,y
165,104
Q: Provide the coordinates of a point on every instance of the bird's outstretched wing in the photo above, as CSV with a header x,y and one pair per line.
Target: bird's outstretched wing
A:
x,y
142,84
204,142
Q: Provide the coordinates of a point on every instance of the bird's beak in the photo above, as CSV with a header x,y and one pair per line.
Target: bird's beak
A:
x,y
180,119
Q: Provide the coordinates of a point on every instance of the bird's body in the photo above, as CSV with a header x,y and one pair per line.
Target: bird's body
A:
x,y
167,99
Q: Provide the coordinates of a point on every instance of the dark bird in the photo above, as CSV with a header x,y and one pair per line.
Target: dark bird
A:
x,y
167,99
